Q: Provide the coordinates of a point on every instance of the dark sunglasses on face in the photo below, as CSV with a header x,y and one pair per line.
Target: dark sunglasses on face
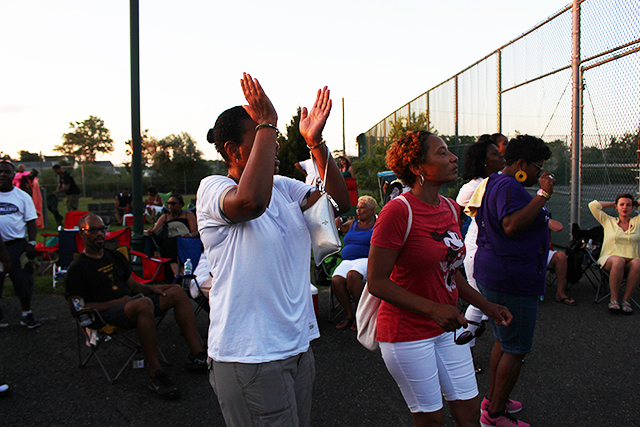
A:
x,y
173,203
94,230
467,336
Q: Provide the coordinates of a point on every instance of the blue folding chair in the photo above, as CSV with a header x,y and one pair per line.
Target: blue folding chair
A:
x,y
192,249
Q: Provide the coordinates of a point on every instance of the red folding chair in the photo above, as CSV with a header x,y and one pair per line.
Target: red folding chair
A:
x,y
71,219
152,268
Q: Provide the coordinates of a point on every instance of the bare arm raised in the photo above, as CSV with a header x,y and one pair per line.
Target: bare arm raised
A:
x,y
311,126
254,156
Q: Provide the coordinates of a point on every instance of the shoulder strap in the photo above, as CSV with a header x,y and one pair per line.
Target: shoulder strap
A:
x,y
455,214
323,183
409,219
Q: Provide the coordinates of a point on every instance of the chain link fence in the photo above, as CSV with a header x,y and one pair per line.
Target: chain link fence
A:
x,y
526,87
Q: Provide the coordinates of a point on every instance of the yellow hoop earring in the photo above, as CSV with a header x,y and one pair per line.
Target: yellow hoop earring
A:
x,y
521,176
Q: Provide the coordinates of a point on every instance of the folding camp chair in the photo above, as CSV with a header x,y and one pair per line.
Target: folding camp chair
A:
x,y
93,332
603,287
67,251
71,219
192,249
152,267
354,194
581,257
49,252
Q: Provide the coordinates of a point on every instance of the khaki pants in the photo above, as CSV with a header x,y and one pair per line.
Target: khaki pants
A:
x,y
270,394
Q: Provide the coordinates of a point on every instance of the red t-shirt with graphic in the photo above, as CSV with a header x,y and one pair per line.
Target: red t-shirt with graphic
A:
x,y
426,265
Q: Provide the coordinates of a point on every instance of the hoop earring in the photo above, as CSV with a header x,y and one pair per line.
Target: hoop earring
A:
x,y
421,180
521,176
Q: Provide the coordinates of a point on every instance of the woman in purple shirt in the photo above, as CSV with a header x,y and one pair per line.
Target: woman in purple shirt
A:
x,y
349,277
511,263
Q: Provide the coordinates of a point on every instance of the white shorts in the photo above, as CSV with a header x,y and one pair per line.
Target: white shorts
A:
x,y
359,265
427,369
551,254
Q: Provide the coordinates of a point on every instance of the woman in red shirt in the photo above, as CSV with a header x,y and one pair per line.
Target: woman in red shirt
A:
x,y
418,280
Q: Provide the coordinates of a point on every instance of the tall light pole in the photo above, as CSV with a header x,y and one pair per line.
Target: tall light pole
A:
x,y
136,138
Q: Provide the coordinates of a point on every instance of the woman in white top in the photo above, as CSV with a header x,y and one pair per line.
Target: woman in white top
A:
x,y
481,160
257,242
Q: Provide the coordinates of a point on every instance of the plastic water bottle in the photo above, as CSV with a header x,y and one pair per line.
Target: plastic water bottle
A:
x,y
85,318
188,267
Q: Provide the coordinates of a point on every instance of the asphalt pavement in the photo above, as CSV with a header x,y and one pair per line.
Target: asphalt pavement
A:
x,y
584,371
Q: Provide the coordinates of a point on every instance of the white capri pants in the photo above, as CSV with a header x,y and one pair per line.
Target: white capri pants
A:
x,y
426,370
359,265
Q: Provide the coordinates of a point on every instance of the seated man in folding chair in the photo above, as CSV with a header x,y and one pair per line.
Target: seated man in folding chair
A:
x,y
103,278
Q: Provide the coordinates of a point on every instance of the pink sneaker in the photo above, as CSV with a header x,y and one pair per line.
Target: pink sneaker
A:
x,y
504,420
512,406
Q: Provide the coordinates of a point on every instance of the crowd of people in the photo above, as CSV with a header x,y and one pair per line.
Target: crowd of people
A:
x,y
415,256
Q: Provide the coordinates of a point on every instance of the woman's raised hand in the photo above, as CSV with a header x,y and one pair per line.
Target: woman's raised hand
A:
x,y
312,122
260,108
547,181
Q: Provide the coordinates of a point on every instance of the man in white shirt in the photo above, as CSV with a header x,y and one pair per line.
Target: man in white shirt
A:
x,y
17,220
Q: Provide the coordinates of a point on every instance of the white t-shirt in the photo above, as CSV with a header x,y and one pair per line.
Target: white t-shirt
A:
x,y
16,209
261,305
310,169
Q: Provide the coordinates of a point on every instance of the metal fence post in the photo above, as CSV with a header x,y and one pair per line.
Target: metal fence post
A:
x,y
576,125
499,83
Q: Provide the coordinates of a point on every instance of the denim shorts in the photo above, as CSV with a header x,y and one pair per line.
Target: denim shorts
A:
x,y
517,338
116,317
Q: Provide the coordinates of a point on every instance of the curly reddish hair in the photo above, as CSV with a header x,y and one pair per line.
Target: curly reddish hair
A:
x,y
408,150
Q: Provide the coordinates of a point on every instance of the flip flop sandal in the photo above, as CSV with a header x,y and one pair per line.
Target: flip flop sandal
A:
x,y
614,307
626,307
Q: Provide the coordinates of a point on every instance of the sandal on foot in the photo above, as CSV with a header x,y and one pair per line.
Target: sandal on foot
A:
x,y
346,323
614,307
626,307
567,301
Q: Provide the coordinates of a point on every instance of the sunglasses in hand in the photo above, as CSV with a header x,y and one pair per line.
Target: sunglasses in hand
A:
x,y
467,336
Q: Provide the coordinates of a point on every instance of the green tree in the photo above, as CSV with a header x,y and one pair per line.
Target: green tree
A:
x,y
86,140
26,156
560,162
178,162
367,167
149,149
402,125
293,149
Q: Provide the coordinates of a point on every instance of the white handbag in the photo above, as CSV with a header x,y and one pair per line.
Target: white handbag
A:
x,y
321,222
367,311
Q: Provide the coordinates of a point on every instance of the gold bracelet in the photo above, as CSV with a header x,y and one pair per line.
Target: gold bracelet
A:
x,y
268,125
544,194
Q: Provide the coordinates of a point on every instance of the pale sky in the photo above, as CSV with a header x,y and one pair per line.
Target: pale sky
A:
x,y
65,60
